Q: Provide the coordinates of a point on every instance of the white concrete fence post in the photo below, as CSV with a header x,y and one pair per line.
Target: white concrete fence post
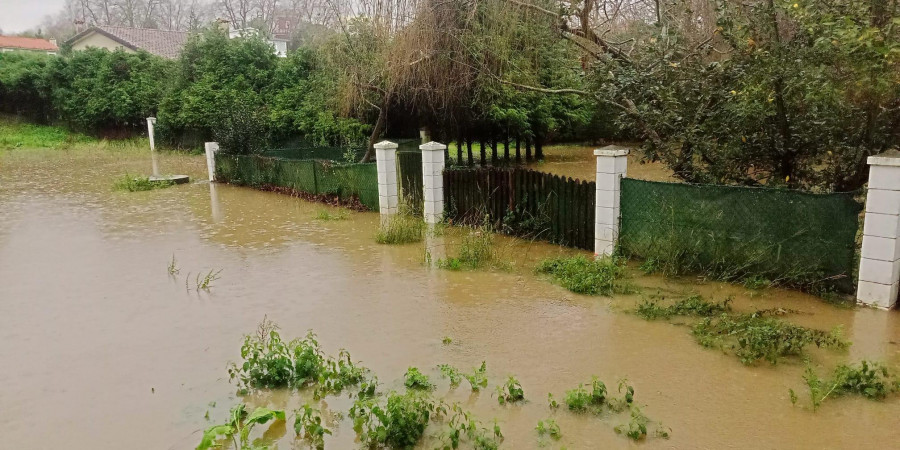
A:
x,y
433,180
151,122
211,149
879,265
386,160
612,163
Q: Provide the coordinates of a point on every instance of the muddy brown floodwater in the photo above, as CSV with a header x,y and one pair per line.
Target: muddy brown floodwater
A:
x,y
102,348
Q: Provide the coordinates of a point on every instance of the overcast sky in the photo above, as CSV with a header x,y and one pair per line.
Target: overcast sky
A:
x,y
21,15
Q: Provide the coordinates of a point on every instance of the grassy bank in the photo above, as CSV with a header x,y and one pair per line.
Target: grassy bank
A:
x,y
16,134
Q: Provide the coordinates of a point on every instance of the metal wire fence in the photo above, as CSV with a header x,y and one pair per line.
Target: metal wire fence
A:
x,y
734,233
316,177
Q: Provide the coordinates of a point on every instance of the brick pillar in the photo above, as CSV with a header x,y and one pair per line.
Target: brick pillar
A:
x,y
433,180
211,149
879,265
612,162
386,160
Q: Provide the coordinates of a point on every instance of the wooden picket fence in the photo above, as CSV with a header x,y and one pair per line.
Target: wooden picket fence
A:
x,y
523,202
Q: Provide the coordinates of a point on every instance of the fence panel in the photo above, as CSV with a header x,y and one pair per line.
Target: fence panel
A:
x,y
409,169
523,202
734,232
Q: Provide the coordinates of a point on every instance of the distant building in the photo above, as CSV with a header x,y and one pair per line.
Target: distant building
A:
x,y
167,44
280,44
16,43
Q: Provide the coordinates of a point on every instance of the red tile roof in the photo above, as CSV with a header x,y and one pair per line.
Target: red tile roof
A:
x,y
26,43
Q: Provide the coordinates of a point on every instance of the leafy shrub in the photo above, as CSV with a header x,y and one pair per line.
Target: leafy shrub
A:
x,y
308,425
462,424
451,373
510,391
478,378
693,306
417,380
636,428
398,424
240,424
603,276
758,336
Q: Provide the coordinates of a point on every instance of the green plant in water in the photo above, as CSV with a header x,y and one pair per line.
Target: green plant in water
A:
x,y
551,402
548,427
758,336
871,380
400,229
135,184
461,425
756,282
238,427
400,423
636,428
603,276
414,379
693,306
173,267
451,373
204,282
446,340
510,391
308,426
580,400
475,251
478,378
324,214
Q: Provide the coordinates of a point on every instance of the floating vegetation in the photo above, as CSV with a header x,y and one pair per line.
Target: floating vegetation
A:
x,y
548,427
478,378
758,336
135,184
871,380
238,427
400,229
603,276
451,373
447,340
324,214
308,426
172,268
510,391
596,400
693,306
204,282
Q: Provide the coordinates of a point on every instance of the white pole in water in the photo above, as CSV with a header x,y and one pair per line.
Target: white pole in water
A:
x,y
612,164
433,180
879,263
150,122
211,149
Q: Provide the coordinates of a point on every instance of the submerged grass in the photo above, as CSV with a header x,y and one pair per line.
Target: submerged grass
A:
x,y
476,250
603,276
132,183
871,380
401,229
693,306
324,214
759,336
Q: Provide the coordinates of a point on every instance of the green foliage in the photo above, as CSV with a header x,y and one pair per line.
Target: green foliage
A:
x,y
172,267
400,423
693,306
17,134
636,428
475,251
238,427
308,425
204,282
478,378
401,229
417,380
580,400
548,427
510,391
324,214
603,276
447,340
871,380
451,373
135,184
461,425
758,336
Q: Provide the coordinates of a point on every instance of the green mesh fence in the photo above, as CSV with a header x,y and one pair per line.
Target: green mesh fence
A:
x,y
347,181
344,154
733,233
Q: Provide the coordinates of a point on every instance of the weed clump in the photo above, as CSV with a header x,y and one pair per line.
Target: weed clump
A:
x,y
238,427
693,306
604,276
478,378
135,184
871,380
417,380
451,373
548,427
308,426
462,424
580,400
510,391
475,251
758,336
401,229
324,214
598,400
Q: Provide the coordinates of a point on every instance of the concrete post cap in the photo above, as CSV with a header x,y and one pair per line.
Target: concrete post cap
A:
x,y
888,158
151,119
611,150
385,145
432,146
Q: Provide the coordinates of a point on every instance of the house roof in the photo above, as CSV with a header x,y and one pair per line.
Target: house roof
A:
x,y
167,44
26,43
